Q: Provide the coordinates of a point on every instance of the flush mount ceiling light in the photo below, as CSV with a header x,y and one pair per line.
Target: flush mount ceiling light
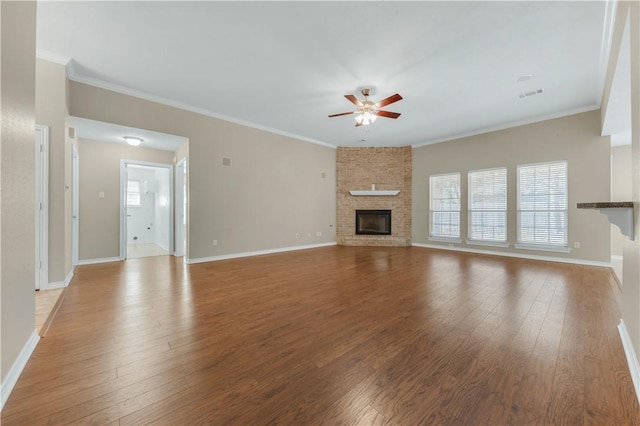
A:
x,y
132,140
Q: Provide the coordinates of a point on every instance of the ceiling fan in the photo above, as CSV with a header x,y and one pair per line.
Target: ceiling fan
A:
x,y
367,110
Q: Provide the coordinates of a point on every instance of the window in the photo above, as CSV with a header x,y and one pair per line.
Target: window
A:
x,y
133,193
445,206
488,206
542,204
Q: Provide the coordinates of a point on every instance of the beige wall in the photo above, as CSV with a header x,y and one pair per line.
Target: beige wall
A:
x,y
17,166
99,218
621,189
273,190
389,169
574,138
51,110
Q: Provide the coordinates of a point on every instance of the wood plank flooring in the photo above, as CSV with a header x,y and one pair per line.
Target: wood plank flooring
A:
x,y
337,336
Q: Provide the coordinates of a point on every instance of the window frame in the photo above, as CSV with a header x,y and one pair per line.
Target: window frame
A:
x,y
432,237
470,210
546,246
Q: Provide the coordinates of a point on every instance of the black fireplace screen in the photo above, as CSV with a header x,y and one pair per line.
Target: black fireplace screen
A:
x,y
373,222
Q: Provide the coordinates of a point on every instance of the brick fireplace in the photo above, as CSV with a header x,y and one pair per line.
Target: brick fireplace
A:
x,y
389,169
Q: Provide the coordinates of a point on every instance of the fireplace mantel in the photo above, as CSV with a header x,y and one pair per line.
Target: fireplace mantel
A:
x,y
374,193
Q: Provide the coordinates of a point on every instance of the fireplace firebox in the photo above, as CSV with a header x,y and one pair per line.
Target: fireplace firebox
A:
x,y
373,222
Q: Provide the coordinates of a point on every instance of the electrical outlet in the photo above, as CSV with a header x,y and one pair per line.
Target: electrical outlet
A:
x,y
576,245
101,194
319,234
215,242
308,234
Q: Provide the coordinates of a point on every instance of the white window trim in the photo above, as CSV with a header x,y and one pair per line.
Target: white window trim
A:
x,y
445,240
488,243
543,247
559,248
495,243
438,237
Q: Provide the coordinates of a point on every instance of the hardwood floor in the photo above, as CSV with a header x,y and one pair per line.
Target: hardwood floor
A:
x,y
337,335
47,304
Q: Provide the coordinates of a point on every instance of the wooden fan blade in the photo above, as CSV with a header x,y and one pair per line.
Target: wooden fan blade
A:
x,y
353,100
388,114
386,101
358,124
342,113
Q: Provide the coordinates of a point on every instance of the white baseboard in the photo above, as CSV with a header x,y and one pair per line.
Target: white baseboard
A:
x,y
16,369
518,255
257,253
53,286
94,261
69,276
59,284
632,359
616,257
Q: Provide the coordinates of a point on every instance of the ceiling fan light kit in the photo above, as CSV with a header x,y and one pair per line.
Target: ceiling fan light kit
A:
x,y
366,118
369,111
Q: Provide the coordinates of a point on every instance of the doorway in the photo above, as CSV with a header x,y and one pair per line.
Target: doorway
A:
x,y
146,206
42,206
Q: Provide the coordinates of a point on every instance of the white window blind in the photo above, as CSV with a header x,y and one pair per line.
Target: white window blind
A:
x,y
133,193
444,205
488,205
542,204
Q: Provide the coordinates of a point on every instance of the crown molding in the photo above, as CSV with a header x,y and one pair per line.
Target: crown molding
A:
x,y
510,125
53,57
605,47
74,76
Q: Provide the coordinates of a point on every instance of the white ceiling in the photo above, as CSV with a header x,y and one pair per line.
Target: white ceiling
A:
x,y
108,132
285,66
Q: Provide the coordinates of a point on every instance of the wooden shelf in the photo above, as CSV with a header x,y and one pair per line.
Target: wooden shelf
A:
x,y
374,193
619,213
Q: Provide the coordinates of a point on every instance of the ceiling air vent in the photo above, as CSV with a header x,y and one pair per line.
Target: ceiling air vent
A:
x,y
535,92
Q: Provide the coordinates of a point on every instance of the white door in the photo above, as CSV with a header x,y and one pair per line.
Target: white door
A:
x,y
42,206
